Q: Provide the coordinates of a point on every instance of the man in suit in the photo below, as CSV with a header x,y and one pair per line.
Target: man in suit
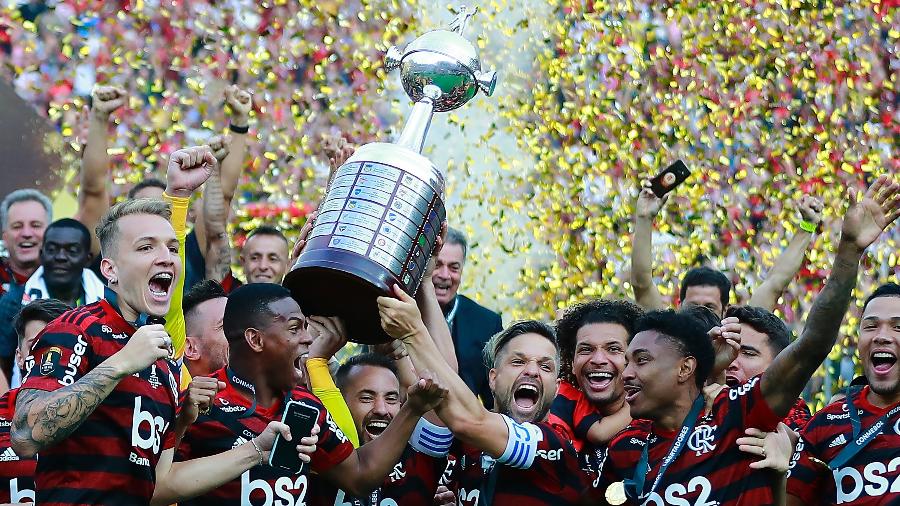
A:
x,y
471,324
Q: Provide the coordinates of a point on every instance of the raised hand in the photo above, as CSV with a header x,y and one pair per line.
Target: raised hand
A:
x,y
200,394
147,345
220,146
329,335
394,350
811,209
870,215
188,169
438,244
425,395
648,204
266,440
726,340
400,317
338,150
241,103
105,100
302,238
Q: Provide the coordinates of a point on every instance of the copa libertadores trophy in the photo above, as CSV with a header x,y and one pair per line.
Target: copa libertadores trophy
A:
x,y
384,207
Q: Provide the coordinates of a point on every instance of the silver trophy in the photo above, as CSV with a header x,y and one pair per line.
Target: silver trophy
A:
x,y
383,211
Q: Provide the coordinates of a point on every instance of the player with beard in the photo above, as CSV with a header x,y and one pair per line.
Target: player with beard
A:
x,y
511,456
371,387
850,450
265,331
763,337
679,454
590,407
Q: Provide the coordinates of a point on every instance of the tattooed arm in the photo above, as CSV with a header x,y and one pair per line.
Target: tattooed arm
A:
x,y
787,375
44,418
215,217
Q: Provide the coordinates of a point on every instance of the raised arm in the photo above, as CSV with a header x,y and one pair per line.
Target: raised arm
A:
x,y
432,315
645,210
791,259
865,220
44,418
93,195
366,468
463,413
215,217
329,336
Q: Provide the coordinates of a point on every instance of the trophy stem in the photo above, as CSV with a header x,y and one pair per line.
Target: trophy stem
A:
x,y
416,127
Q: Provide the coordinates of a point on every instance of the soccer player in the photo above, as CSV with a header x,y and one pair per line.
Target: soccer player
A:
x,y
99,403
16,472
511,456
592,340
371,386
678,453
263,325
850,450
205,348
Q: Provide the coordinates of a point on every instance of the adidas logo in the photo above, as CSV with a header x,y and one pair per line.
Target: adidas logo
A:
x,y
838,441
8,455
238,442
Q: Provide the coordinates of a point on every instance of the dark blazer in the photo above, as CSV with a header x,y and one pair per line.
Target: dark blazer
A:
x,y
472,326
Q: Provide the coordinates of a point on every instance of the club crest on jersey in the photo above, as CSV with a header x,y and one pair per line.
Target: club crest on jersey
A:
x,y
154,379
702,439
397,473
49,360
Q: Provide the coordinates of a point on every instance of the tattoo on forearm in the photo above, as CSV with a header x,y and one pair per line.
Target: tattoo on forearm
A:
x,y
45,418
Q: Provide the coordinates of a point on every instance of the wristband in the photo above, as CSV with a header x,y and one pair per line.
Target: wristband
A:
x,y
179,211
808,226
239,129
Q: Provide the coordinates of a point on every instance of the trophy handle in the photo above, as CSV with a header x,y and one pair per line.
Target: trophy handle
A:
x,y
487,81
392,58
416,128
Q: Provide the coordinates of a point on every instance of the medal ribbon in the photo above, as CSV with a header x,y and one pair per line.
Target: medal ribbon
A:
x,y
860,441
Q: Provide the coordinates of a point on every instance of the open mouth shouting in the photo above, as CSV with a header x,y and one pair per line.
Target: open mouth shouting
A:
x,y
526,396
598,381
160,286
732,381
631,392
883,362
374,427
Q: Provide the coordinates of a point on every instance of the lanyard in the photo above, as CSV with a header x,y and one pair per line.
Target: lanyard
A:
x,y
634,487
237,380
860,439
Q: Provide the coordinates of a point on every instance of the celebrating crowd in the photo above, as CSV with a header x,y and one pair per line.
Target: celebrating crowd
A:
x,y
137,367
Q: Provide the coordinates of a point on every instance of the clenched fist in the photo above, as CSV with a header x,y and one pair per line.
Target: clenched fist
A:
x,y
188,169
147,345
105,100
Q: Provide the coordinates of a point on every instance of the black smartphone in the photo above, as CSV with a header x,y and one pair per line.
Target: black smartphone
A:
x,y
670,178
301,418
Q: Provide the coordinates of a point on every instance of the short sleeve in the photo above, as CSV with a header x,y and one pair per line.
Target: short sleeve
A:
x,y
333,447
747,402
62,355
805,476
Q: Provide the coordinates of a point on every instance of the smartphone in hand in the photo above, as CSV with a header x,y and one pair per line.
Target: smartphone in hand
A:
x,y
300,418
669,179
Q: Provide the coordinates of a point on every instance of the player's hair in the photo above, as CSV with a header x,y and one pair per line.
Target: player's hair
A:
x,y
24,195
248,307
362,360
203,291
886,290
42,310
108,228
493,349
74,225
266,230
763,321
686,334
455,236
704,315
705,276
150,182
619,312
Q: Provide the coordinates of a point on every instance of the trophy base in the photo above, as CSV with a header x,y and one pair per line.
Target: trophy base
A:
x,y
334,283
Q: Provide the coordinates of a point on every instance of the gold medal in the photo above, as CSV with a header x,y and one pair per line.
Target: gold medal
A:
x,y
615,493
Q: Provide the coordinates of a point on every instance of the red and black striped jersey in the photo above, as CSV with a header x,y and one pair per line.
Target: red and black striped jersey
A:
x,y
572,414
228,425
554,476
412,481
871,477
798,416
16,473
9,277
710,469
111,458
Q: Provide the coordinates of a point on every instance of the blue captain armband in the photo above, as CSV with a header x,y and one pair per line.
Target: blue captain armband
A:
x,y
430,439
521,447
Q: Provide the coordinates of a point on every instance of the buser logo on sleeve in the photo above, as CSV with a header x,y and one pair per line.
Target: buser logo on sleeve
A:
x,y
78,352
